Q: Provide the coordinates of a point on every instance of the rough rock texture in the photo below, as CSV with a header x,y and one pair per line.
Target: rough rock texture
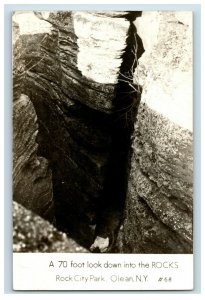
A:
x,y
31,233
81,131
158,214
32,178
159,205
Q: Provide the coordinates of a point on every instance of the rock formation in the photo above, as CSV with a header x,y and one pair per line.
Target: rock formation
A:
x,y
83,74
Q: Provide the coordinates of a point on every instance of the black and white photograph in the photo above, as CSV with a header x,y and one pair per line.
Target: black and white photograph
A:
x,y
102,131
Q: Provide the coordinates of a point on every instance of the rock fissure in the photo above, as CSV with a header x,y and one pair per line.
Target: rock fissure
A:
x,y
126,103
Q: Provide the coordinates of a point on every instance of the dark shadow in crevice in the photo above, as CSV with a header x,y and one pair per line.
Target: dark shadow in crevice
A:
x,y
126,102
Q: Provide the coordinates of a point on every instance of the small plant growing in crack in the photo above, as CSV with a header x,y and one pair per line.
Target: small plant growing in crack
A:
x,y
128,76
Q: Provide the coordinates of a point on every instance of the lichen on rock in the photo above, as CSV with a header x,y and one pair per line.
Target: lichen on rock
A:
x,y
31,233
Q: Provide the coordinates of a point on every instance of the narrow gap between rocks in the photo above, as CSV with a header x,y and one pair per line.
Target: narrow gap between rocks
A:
x,y
83,218
126,104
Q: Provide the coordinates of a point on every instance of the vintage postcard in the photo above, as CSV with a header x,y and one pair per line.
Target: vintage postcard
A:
x,y
102,150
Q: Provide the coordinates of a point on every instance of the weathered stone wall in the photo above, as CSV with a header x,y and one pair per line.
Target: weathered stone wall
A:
x,y
159,205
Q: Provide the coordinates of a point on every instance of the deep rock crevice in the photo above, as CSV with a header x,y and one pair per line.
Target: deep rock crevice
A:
x,y
89,155
126,102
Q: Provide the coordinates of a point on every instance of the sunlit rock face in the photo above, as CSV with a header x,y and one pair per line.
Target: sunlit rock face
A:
x,y
159,205
101,40
165,69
